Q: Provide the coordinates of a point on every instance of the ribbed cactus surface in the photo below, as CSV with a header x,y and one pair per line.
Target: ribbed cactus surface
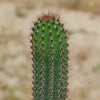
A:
x,y
50,59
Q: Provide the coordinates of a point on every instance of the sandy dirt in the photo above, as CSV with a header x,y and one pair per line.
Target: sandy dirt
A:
x,y
15,64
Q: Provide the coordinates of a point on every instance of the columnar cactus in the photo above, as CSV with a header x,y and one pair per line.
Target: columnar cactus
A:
x,y
50,59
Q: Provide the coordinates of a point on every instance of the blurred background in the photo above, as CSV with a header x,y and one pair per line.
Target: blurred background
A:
x,y
82,17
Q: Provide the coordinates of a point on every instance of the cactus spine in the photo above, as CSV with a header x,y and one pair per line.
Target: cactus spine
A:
x,y
50,59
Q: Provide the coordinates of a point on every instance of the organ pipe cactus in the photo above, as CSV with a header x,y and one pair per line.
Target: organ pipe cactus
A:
x,y
50,59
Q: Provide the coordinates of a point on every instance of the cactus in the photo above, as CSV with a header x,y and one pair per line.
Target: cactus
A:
x,y
50,59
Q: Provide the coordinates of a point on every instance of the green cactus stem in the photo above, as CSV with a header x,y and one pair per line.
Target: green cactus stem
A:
x,y
50,59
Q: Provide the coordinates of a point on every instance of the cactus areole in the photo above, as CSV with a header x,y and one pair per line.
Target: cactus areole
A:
x,y
50,59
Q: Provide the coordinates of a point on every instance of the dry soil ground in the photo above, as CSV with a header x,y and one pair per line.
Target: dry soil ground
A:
x,y
15,65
